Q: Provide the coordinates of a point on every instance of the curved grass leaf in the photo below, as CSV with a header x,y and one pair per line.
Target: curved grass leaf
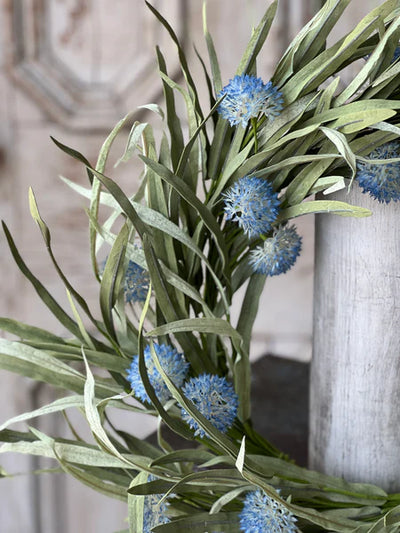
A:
x,y
202,522
310,39
203,325
173,122
40,366
242,370
93,416
259,35
181,53
154,219
135,134
96,186
54,407
47,239
112,278
197,456
29,333
330,61
228,497
194,201
216,73
176,281
323,206
374,61
42,292
168,307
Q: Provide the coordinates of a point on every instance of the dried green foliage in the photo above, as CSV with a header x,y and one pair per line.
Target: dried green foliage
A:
x,y
196,262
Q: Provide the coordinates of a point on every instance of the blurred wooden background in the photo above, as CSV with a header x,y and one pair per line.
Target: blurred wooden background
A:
x,y
72,69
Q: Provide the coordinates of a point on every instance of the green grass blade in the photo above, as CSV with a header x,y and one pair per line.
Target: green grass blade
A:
x,y
173,122
112,279
248,60
204,213
323,206
47,239
29,333
42,292
216,73
202,325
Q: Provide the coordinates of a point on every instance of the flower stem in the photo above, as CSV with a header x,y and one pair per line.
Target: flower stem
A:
x,y
254,126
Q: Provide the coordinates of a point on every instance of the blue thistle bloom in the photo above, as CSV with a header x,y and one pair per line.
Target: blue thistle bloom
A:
x,y
253,204
154,512
381,181
172,362
261,513
137,281
278,253
248,97
216,400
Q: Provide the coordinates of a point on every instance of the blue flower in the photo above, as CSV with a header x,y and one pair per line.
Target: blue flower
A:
x,y
253,204
154,512
172,362
261,513
216,400
381,181
396,54
248,97
137,281
278,253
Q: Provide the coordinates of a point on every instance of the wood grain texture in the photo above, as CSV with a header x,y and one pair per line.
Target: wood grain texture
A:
x,y
355,395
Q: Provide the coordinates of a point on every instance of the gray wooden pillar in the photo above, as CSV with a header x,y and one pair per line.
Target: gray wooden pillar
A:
x,y
355,388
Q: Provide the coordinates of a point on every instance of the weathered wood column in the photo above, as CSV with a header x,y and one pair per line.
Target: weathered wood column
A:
x,y
355,374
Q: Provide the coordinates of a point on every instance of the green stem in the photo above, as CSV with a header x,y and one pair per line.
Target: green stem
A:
x,y
254,126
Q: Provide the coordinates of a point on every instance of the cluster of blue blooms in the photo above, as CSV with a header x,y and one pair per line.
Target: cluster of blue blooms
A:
x,y
247,97
212,395
154,510
278,253
172,362
253,204
251,201
261,513
216,400
137,283
381,180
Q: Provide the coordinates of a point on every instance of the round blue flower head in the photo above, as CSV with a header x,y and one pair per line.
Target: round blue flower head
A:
x,y
248,97
261,514
253,204
278,253
216,400
396,54
381,181
172,362
154,512
137,281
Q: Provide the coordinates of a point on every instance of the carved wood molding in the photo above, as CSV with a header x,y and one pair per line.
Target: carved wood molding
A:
x,y
86,64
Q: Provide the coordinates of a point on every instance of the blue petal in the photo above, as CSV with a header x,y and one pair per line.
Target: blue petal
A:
x,y
261,513
216,400
172,362
278,253
247,97
253,204
381,181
